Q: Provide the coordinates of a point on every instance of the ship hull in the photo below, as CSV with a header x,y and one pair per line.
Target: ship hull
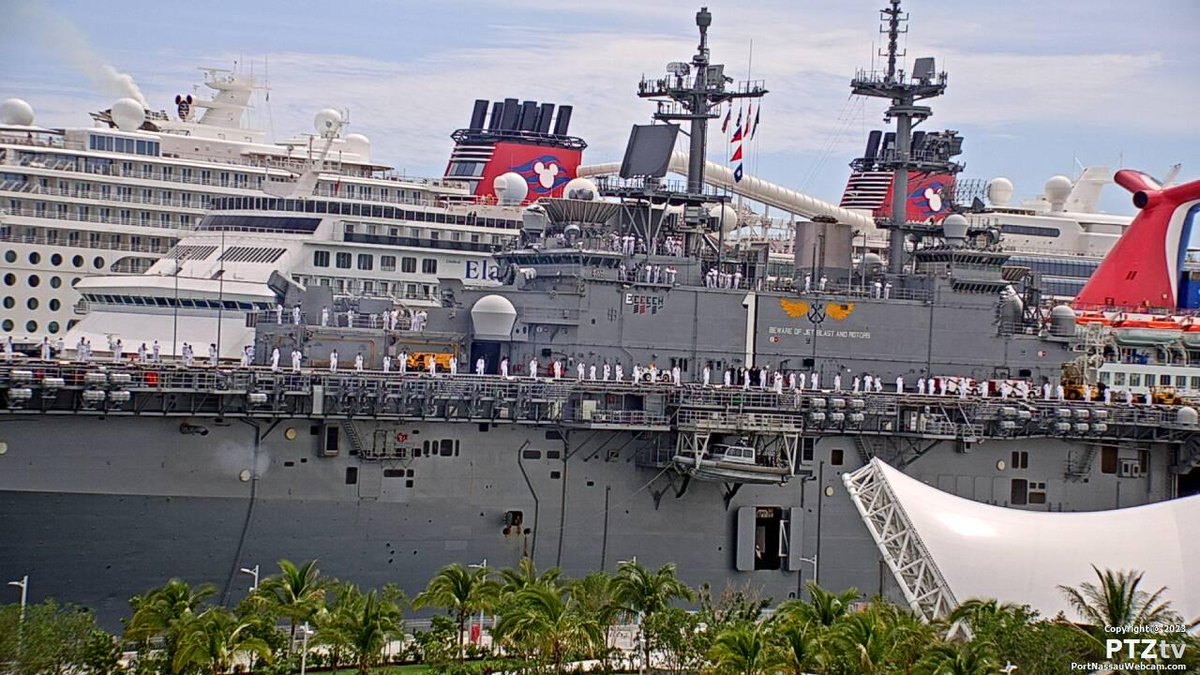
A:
x,y
99,509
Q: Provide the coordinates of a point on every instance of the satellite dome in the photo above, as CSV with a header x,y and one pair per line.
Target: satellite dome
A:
x,y
16,112
492,318
1062,321
872,265
999,191
581,188
510,188
954,229
1187,417
327,122
128,114
1058,188
358,144
725,216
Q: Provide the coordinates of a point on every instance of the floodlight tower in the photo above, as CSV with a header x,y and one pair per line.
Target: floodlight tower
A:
x,y
903,92
691,92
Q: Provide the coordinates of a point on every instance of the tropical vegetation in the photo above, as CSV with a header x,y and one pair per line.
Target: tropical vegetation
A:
x,y
539,622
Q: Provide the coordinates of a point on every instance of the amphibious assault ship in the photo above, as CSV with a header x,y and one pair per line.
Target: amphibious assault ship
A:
x,y
116,477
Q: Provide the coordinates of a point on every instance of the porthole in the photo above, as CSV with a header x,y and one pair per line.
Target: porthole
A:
x,y
98,262
9,302
10,279
30,326
34,281
53,327
74,282
7,325
55,304
77,261
32,303
56,259
10,256
55,282
35,257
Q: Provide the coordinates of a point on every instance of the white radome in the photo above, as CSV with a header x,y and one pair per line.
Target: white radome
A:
x,y
327,122
999,191
581,188
1058,188
16,112
725,215
510,188
128,114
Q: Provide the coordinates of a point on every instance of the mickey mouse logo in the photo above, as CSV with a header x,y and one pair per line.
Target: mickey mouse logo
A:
x,y
546,174
184,104
934,198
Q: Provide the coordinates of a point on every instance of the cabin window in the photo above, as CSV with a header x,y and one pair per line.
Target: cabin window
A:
x,y
807,447
343,261
320,258
1164,380
836,456
366,261
1135,379
1020,459
1037,493
1195,383
387,263
1104,378
1118,379
408,265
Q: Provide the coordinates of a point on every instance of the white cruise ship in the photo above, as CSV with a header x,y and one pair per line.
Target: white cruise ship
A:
x,y
115,197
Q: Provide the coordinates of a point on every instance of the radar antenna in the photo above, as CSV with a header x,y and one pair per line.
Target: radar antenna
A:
x,y
903,91
692,93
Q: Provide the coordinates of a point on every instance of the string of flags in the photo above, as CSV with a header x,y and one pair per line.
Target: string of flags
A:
x,y
741,133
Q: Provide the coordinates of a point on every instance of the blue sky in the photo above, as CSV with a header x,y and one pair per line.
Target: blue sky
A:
x,y
1034,86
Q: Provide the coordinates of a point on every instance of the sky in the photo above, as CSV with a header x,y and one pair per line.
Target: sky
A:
x,y
1036,88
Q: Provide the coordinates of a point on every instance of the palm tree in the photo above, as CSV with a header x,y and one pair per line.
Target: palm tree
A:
x,y
297,592
823,608
333,624
1117,601
371,620
799,648
164,611
968,658
525,575
539,616
213,640
978,612
461,592
641,593
745,649
593,595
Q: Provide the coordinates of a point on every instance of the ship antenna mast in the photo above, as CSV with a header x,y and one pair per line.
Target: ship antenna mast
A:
x,y
692,92
903,91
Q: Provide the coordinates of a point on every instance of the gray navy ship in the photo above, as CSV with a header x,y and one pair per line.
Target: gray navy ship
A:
x,y
509,422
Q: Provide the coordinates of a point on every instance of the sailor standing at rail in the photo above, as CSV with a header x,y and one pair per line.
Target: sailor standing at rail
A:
x,y
349,318
815,380
212,354
837,382
707,374
637,372
432,365
80,350
887,290
324,316
480,366
45,349
504,367
245,362
1059,392
387,363
403,359
8,348
1087,392
557,369
867,382
358,362
676,376
155,353
275,360
746,378
141,354
1107,395
454,365
117,348
900,384
278,313
533,368
296,315
296,360
877,289
807,282
778,378
1128,397
592,372
579,371
333,359
607,371
921,386
823,281
792,380
187,355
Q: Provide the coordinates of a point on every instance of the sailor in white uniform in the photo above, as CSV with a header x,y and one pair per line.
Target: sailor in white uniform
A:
x,y
387,363
333,360
275,359
454,365
707,375
900,384
155,353
579,371
620,372
557,369
296,360
480,366
403,362
533,368
504,367
358,362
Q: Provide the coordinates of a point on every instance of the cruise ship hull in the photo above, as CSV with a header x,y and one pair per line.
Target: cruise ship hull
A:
x,y
97,509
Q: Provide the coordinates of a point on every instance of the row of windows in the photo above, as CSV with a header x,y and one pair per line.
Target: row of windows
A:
x,y
186,303
258,224
1059,267
32,303
1121,379
56,259
411,291
31,326
1030,230
366,261
127,145
356,209
34,280
101,214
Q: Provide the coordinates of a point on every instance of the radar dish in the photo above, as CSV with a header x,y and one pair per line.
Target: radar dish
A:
x,y
581,188
648,152
999,191
16,112
128,114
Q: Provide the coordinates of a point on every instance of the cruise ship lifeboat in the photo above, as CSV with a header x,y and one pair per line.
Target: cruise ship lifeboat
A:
x,y
1138,332
731,464
1092,318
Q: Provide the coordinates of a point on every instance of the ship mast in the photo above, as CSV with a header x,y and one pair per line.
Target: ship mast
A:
x,y
691,93
903,92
